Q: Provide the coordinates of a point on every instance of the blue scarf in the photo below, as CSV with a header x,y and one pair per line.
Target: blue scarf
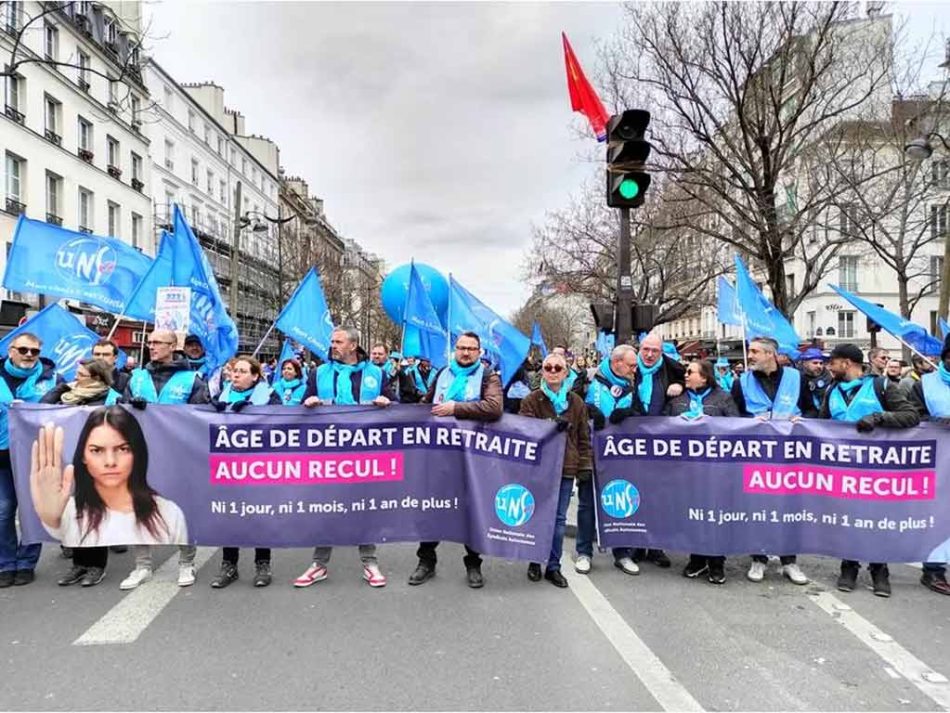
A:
x,y
417,379
558,400
645,389
461,373
233,395
25,390
605,371
942,370
344,384
696,402
849,386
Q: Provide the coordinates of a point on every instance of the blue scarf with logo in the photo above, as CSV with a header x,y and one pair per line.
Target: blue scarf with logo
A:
x,y
645,389
558,400
461,373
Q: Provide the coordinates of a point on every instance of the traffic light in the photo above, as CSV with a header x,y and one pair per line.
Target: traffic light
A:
x,y
627,152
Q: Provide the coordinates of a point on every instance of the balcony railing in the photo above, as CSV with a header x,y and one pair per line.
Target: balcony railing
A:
x,y
86,155
137,185
13,113
114,171
53,137
83,85
84,229
14,206
54,219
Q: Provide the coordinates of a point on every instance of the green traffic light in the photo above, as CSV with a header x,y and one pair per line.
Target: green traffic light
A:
x,y
629,188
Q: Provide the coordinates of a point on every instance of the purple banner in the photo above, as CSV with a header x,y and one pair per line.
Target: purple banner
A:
x,y
726,486
288,477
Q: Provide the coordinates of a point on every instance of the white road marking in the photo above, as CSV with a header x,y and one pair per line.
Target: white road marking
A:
x,y
126,621
659,681
896,656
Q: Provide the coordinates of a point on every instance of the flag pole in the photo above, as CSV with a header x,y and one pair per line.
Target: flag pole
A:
x,y
142,345
405,307
745,354
264,339
115,325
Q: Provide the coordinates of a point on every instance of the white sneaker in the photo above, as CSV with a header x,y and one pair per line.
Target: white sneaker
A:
x,y
138,576
795,574
373,576
582,564
756,572
186,575
627,565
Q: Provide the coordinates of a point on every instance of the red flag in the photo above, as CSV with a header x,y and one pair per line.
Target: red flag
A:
x,y
583,97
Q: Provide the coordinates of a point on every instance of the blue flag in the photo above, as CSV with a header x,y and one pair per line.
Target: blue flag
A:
x,y
538,340
762,319
182,263
306,317
728,312
423,334
905,330
503,344
48,260
286,352
66,341
944,327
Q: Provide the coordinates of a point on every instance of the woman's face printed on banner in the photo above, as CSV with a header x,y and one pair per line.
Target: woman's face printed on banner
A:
x,y
108,457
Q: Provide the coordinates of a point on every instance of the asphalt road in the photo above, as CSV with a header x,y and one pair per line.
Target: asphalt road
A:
x,y
611,642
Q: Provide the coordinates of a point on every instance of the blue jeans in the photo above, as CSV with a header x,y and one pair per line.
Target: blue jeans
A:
x,y
560,524
13,554
587,526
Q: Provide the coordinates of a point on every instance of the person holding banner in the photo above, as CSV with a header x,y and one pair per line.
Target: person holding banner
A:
x,y
659,377
465,389
348,379
703,397
247,386
609,397
866,401
166,379
817,376
930,394
108,351
415,380
24,376
290,387
767,391
556,402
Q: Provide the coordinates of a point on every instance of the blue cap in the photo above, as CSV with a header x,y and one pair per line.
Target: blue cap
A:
x,y
811,354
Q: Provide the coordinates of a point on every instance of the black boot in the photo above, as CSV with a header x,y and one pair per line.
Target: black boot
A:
x,y
880,580
474,577
534,572
848,579
423,572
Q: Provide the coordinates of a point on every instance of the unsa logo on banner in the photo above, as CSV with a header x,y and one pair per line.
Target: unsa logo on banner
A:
x,y
514,505
86,260
620,499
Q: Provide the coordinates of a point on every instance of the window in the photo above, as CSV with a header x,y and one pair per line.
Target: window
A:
x,y
210,183
12,16
790,285
233,156
194,172
169,202
191,121
846,324
136,230
938,220
53,184
114,214
85,135
15,172
169,102
169,155
109,30
14,91
51,112
254,174
208,135
113,93
936,274
220,146
136,105
136,167
113,152
244,166
223,186
811,316
941,172
51,41
82,76
848,220
848,272
85,210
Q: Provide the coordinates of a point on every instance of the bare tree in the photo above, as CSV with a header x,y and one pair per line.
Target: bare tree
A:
x,y
740,94
561,322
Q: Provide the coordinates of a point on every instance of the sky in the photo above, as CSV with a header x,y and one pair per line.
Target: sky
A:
x,y
440,132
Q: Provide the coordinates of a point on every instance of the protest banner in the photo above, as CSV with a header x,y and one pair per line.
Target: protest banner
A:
x,y
294,477
729,486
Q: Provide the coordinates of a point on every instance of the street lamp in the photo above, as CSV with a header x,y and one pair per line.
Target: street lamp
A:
x,y
921,149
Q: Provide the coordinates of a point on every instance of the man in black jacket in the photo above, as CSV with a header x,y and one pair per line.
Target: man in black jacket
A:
x,y
867,401
108,351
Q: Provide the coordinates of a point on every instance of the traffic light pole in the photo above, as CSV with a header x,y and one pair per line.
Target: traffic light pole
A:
x,y
624,282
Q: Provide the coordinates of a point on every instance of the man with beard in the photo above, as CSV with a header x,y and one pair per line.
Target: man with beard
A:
x,y
817,376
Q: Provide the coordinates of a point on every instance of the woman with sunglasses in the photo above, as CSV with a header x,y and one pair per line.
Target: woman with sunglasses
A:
x,y
92,387
703,397
557,402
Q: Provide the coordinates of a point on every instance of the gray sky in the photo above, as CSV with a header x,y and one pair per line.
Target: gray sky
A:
x,y
434,131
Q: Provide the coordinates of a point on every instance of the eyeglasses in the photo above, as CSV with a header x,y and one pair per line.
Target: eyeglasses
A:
x,y
468,349
154,343
23,351
553,368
